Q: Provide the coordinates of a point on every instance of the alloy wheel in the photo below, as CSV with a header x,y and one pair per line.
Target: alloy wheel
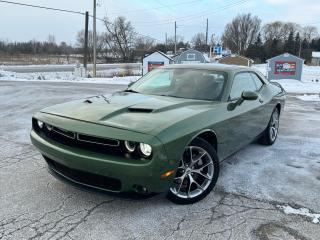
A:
x,y
274,125
194,174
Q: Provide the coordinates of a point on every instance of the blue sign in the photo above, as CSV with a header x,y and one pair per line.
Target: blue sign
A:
x,y
218,50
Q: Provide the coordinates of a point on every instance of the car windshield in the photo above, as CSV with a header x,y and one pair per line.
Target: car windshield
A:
x,y
182,83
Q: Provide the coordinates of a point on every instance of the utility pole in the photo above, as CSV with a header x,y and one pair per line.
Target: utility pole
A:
x,y
175,38
86,32
94,38
166,42
207,32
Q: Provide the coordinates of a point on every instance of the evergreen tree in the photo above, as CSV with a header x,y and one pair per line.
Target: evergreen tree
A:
x,y
297,43
289,45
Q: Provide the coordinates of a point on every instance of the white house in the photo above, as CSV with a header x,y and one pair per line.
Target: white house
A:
x,y
155,60
315,61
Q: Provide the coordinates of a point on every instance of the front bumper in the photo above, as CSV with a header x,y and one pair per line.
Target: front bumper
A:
x,y
106,171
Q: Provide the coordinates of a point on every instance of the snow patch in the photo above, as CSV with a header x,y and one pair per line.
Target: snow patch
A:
x,y
301,211
312,97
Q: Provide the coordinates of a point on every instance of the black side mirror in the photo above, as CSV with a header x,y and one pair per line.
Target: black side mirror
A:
x,y
249,95
246,95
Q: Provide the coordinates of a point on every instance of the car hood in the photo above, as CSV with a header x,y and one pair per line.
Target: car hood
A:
x,y
132,111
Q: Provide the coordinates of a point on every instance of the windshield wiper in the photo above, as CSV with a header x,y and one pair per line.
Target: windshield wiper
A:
x,y
130,90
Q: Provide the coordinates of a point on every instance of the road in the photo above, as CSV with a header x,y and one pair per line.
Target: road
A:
x,y
67,68
244,204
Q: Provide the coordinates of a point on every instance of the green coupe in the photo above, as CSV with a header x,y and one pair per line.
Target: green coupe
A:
x,y
168,132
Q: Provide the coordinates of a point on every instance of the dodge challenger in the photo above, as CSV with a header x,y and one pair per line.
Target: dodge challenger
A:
x,y
167,132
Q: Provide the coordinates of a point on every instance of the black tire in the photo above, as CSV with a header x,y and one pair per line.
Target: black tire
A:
x,y
206,180
266,137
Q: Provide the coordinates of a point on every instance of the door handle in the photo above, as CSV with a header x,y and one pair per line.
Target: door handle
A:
x,y
260,100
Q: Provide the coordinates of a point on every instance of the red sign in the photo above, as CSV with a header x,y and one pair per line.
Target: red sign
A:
x,y
152,65
285,68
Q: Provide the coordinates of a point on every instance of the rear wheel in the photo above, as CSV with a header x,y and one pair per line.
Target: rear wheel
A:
x,y
197,173
271,133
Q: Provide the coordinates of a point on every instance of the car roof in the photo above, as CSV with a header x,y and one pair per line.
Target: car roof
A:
x,y
209,66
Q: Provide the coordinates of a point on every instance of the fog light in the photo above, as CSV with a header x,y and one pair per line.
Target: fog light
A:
x,y
145,149
40,124
49,127
130,146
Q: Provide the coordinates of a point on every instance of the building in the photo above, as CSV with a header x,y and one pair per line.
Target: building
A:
x,y
235,59
315,61
190,56
155,60
285,66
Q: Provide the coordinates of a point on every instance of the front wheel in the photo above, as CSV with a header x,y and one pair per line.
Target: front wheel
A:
x,y
197,173
270,135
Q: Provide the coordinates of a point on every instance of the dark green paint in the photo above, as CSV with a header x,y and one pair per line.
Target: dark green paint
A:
x,y
167,124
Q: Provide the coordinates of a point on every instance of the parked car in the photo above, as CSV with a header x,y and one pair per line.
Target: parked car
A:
x,y
168,132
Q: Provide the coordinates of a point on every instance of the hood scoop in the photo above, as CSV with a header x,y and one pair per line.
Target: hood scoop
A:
x,y
139,110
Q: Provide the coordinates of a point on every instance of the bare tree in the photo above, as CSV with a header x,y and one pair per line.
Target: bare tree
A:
x,y
241,32
198,40
279,30
144,43
120,37
100,43
309,32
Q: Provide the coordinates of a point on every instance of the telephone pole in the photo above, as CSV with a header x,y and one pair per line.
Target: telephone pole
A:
x,y
175,37
94,38
85,57
207,31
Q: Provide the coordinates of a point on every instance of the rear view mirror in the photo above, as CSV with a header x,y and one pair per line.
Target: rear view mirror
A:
x,y
249,95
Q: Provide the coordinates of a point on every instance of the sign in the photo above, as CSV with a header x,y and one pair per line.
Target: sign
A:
x,y
285,68
218,50
153,65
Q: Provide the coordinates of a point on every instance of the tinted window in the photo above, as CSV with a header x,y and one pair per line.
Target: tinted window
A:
x,y
242,82
256,80
183,83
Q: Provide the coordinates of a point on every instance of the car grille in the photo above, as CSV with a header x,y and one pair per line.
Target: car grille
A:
x,y
86,178
81,141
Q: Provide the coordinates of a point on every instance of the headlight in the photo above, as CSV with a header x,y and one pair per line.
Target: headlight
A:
x,y
40,124
145,149
130,146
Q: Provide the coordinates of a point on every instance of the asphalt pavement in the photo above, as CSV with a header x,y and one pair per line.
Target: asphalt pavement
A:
x,y
246,204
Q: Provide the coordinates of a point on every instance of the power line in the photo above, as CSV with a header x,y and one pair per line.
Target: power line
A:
x,y
66,11
43,7
200,14
155,8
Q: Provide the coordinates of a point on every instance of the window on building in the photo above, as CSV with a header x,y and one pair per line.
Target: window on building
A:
x,y
191,56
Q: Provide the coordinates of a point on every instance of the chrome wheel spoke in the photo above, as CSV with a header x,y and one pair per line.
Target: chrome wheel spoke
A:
x,y
203,175
194,174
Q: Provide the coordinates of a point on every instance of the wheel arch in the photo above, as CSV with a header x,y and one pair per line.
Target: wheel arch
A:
x,y
208,135
278,106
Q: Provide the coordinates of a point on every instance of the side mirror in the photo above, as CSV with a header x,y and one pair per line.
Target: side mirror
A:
x,y
246,95
250,96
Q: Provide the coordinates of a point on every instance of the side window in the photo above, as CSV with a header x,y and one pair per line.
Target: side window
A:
x,y
242,82
256,80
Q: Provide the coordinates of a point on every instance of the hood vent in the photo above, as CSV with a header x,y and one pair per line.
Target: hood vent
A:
x,y
140,110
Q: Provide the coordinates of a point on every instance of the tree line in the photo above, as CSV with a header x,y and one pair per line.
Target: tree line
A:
x,y
245,35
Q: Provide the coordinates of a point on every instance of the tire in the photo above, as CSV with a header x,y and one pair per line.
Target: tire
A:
x,y
270,134
195,176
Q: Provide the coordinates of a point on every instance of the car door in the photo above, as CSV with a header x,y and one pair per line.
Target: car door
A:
x,y
243,123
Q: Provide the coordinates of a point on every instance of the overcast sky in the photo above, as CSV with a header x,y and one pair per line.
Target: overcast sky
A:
x,y
149,17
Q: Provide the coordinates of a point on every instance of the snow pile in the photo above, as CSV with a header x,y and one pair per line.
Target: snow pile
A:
x,y
310,80
295,86
312,97
65,77
301,211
